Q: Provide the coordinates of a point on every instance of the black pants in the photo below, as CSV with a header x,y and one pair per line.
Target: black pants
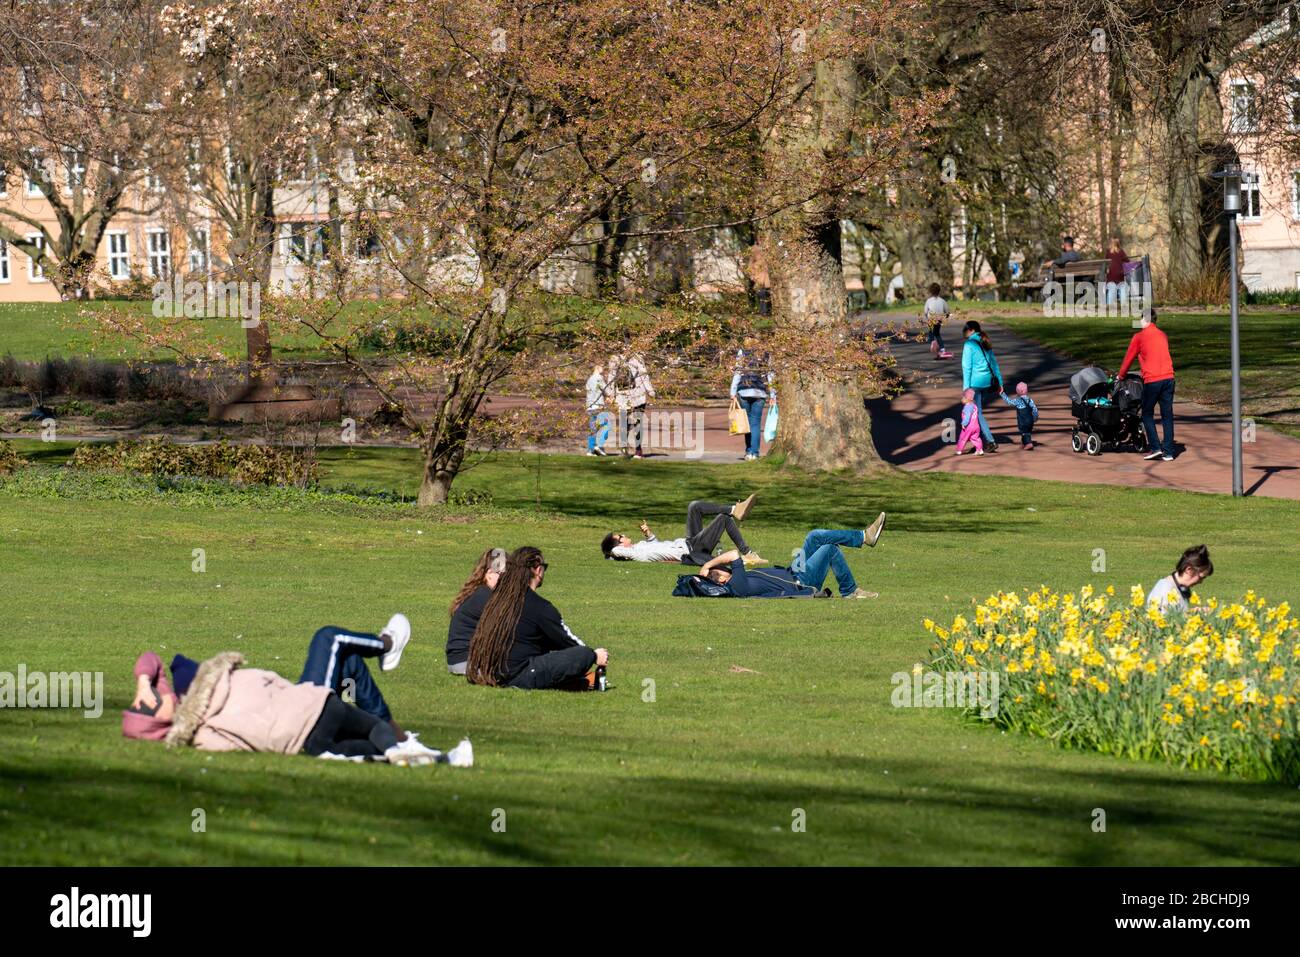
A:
x,y
347,730
704,539
555,669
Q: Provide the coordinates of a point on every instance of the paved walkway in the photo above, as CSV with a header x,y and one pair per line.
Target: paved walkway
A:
x,y
908,430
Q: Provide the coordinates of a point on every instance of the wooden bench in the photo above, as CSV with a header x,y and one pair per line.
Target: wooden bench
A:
x,y
1085,270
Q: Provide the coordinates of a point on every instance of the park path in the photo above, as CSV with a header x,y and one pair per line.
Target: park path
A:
x,y
909,429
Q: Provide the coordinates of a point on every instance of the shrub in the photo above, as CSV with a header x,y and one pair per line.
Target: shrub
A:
x,y
1272,297
241,464
9,458
1216,688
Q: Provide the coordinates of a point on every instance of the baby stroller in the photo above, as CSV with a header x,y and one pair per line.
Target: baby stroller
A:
x,y
1107,411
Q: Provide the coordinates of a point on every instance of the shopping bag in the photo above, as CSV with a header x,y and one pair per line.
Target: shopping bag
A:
x,y
769,428
738,419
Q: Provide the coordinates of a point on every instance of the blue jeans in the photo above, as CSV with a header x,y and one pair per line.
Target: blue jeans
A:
x,y
821,553
1163,394
334,658
597,430
754,410
979,408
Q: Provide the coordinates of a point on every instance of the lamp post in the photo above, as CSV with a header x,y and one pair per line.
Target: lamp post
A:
x,y
1231,176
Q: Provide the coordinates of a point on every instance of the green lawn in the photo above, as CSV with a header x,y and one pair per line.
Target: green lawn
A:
x,y
709,772
1200,344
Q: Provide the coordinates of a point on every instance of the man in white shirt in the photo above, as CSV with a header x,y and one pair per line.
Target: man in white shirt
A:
x,y
696,547
935,313
1171,593
597,417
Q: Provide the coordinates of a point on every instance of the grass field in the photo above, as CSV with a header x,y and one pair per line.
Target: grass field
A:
x,y
708,772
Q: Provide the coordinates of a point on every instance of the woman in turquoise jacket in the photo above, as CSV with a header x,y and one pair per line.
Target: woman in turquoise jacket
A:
x,y
979,371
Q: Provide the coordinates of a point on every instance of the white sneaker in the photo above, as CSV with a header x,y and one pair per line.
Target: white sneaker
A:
x,y
398,630
331,756
462,755
1167,458
411,753
1152,456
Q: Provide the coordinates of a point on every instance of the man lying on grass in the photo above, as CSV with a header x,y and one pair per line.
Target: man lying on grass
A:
x,y
696,547
820,553
522,641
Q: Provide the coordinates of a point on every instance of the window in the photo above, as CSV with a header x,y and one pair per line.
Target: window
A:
x,y
1295,194
29,91
1293,104
234,171
4,181
1245,110
368,246
153,181
194,165
1251,190
36,167
307,241
119,256
4,261
160,254
958,230
35,271
74,162
200,245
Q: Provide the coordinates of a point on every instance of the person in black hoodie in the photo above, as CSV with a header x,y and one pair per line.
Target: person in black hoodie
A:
x,y
467,607
522,641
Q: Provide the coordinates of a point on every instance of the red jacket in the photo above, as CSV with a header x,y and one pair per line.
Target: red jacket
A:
x,y
1151,348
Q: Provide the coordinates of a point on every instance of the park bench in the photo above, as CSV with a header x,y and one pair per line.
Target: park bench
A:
x,y
1085,270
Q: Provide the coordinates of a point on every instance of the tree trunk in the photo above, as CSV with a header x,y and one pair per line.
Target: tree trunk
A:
x,y
1185,186
921,235
824,424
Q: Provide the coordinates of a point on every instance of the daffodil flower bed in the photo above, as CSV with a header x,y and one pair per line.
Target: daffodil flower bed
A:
x,y
1213,688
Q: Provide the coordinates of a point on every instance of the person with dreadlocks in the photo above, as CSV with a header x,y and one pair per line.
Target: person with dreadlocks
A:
x,y
522,641
467,607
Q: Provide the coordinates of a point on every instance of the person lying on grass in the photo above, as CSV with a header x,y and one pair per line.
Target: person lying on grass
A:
x,y
231,708
522,641
1172,592
334,661
467,607
696,547
820,553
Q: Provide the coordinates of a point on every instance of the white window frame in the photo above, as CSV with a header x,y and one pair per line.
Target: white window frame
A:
x,y
1255,179
204,247
30,187
4,181
156,256
1243,121
35,273
1295,194
119,256
1293,103
28,93
194,165
6,273
74,165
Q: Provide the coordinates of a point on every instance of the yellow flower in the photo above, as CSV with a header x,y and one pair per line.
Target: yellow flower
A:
x,y
1204,740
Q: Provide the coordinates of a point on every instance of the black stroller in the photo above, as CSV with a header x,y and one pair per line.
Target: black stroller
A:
x,y
1107,412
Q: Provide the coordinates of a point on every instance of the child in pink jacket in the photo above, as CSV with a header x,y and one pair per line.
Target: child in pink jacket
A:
x,y
970,424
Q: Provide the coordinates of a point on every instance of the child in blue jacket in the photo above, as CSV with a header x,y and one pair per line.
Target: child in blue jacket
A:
x,y
1026,414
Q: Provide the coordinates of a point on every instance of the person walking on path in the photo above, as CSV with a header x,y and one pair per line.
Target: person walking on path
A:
x,y
1150,346
597,417
970,424
936,313
633,392
751,384
980,372
1026,414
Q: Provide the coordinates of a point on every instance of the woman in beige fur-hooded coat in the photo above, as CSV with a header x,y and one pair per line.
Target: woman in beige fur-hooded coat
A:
x,y
231,708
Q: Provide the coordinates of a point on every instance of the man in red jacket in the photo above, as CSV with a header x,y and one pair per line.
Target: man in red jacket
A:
x,y
1150,347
